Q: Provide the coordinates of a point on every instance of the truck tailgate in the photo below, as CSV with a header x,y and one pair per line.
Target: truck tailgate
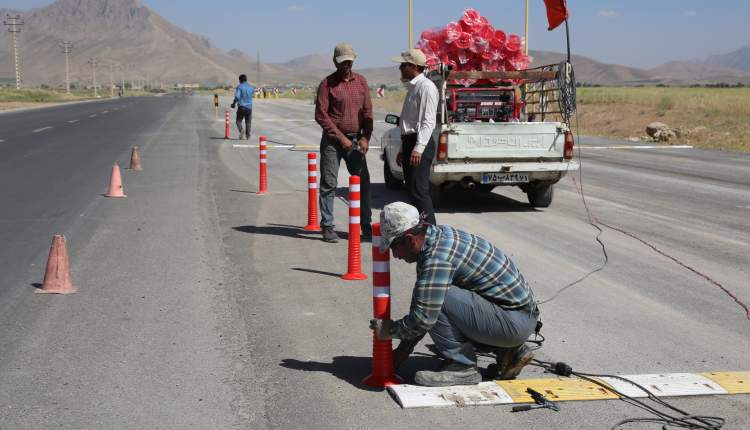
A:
x,y
505,140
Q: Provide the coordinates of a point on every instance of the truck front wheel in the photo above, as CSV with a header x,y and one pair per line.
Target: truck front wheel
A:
x,y
391,182
540,195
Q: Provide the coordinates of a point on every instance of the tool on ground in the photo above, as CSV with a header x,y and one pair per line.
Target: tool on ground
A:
x,y
312,193
540,401
263,180
135,159
354,272
383,373
115,183
57,275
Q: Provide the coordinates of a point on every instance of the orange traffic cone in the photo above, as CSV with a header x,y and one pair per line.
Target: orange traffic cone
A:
x,y
57,276
115,183
135,159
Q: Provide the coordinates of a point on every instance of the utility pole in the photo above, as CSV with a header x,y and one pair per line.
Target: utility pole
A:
x,y
111,82
257,60
67,47
14,23
93,61
122,78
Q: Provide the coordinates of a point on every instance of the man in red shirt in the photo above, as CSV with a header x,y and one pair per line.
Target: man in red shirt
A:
x,y
344,110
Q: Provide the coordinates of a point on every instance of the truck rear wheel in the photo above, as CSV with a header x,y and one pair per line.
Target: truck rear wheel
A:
x,y
391,182
436,195
540,195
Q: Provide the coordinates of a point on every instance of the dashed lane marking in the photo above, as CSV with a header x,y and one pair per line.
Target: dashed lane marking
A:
x,y
240,145
93,115
105,111
637,147
41,129
72,121
2,140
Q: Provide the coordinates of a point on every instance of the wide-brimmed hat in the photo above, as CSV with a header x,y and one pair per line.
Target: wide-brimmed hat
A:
x,y
413,56
396,219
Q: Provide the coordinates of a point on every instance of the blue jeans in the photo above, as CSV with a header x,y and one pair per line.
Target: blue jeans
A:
x,y
467,318
331,154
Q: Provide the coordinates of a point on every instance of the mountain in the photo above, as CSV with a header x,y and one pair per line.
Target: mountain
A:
x,y
739,60
131,36
124,32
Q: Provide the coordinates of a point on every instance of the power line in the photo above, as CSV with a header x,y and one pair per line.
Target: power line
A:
x,y
14,24
67,47
93,61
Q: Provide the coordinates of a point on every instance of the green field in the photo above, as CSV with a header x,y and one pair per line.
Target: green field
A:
x,y
38,95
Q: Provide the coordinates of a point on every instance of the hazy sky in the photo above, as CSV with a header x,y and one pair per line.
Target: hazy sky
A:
x,y
641,33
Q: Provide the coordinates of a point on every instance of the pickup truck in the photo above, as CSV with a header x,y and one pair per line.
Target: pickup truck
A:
x,y
514,132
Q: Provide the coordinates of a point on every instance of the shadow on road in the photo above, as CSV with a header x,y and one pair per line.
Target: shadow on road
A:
x,y
296,232
456,201
354,369
318,272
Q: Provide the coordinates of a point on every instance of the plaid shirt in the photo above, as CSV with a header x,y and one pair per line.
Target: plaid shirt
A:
x,y
453,257
344,106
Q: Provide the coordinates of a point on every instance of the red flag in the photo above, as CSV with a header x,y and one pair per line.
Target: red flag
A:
x,y
557,12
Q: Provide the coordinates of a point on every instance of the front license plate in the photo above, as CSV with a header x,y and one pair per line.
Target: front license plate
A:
x,y
505,178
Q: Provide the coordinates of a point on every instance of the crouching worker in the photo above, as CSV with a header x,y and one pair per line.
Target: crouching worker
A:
x,y
468,295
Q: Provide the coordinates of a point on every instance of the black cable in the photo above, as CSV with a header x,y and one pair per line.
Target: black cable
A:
x,y
684,420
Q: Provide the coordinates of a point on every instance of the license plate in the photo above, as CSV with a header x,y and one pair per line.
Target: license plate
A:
x,y
505,178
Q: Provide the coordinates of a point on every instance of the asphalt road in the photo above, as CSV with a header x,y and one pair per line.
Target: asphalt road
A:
x,y
204,305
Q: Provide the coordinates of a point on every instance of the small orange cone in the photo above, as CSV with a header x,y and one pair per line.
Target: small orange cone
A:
x,y
115,183
135,159
57,276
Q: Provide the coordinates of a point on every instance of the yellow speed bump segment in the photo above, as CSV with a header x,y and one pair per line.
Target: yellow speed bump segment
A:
x,y
733,382
555,389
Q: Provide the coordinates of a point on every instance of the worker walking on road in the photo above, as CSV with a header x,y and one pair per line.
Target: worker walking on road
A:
x,y
418,118
243,96
468,294
344,110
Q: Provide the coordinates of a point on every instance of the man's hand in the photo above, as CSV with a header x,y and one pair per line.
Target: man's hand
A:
x,y
416,158
345,143
399,158
364,144
382,328
233,105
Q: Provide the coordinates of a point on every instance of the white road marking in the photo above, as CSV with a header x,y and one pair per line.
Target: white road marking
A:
x,y
244,146
638,147
41,129
738,207
92,116
72,121
105,111
2,140
284,146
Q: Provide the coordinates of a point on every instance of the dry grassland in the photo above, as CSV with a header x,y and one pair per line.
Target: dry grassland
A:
x,y
715,118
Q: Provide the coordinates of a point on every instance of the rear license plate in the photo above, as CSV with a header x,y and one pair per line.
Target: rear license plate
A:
x,y
505,178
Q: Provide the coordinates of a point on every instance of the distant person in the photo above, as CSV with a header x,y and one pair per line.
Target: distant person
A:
x,y
418,119
344,110
243,96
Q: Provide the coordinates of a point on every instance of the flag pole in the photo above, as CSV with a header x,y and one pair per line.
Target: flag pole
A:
x,y
411,26
567,38
526,29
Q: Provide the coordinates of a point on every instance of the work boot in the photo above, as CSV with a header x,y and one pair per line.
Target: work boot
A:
x,y
450,373
512,361
329,235
366,233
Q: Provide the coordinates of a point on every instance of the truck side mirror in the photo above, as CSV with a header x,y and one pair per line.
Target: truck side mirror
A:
x,y
392,119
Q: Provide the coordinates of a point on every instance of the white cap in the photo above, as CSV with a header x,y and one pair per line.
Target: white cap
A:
x,y
395,219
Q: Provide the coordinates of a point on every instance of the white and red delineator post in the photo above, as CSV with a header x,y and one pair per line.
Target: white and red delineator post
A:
x,y
312,192
383,373
354,272
263,179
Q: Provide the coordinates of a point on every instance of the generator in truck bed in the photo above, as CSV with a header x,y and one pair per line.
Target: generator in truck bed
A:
x,y
510,128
